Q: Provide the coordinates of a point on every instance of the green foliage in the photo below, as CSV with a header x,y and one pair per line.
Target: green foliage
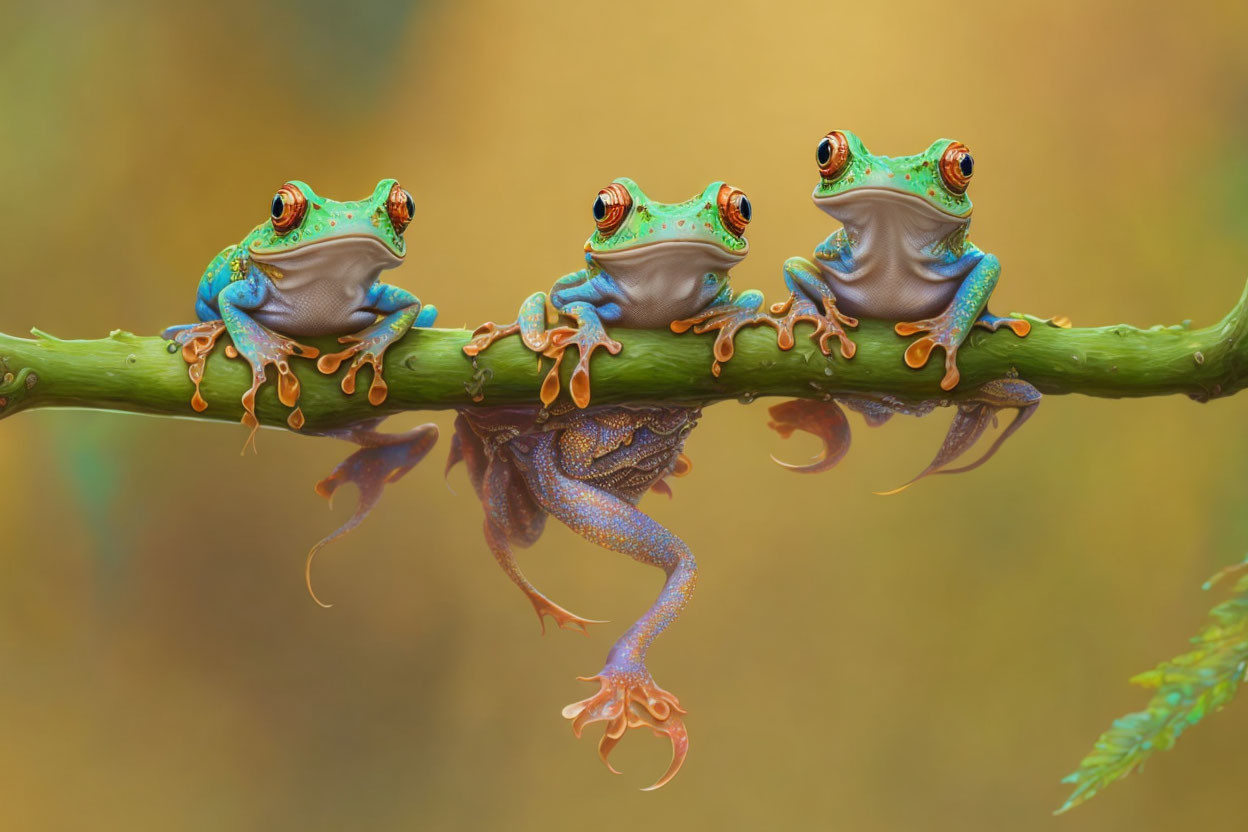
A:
x,y
1187,687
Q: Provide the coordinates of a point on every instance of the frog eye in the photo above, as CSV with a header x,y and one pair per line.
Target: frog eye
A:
x,y
611,207
400,207
832,154
956,167
735,209
289,206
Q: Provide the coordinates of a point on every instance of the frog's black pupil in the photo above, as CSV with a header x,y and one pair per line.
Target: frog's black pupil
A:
x,y
600,209
966,164
747,210
823,153
411,205
278,206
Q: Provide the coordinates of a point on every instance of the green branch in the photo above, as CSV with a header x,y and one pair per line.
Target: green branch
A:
x,y
428,370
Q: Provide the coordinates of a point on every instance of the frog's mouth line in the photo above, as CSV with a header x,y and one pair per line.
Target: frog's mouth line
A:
x,y
352,258
891,199
666,256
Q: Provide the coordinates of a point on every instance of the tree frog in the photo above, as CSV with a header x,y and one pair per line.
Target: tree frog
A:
x,y
310,269
902,252
647,264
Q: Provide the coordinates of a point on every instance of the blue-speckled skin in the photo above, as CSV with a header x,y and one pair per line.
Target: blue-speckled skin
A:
x,y
316,277
588,468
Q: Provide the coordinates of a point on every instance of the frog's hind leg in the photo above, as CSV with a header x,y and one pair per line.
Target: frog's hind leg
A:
x,y
400,311
826,420
972,419
383,458
627,696
530,324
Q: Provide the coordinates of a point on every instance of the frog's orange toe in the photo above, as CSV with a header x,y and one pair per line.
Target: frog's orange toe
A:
x,y
625,701
918,352
1020,327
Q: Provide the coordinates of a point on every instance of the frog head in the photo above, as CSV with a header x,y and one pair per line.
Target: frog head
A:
x,y
638,240
352,242
924,194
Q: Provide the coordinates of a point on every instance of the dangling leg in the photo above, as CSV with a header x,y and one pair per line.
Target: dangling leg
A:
x,y
511,516
825,420
628,696
950,329
401,310
383,458
972,419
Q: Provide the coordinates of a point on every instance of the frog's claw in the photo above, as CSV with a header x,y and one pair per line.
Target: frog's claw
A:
x,y
972,419
825,420
261,347
943,331
382,459
197,343
632,700
827,325
368,347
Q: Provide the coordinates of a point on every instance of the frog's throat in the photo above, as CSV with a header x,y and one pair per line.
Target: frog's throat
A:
x,y
669,262
355,259
892,214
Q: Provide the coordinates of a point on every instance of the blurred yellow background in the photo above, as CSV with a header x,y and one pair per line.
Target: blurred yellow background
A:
x,y
933,661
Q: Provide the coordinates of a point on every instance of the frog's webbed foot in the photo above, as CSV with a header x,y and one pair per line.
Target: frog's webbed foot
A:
x,y
261,347
826,420
382,459
945,332
486,334
197,342
972,419
368,347
726,320
631,699
828,325
587,337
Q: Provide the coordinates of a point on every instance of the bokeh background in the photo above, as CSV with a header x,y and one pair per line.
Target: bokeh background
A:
x,y
932,661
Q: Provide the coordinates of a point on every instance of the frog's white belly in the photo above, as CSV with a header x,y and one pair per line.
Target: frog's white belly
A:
x,y
322,288
892,286
326,306
896,275
664,282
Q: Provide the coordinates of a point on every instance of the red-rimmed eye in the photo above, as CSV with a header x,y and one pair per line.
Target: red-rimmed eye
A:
x,y
289,206
400,207
956,167
735,209
832,154
611,207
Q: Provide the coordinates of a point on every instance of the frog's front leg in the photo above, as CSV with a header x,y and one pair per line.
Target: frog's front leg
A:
x,y
950,329
260,347
812,300
727,316
627,696
400,311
